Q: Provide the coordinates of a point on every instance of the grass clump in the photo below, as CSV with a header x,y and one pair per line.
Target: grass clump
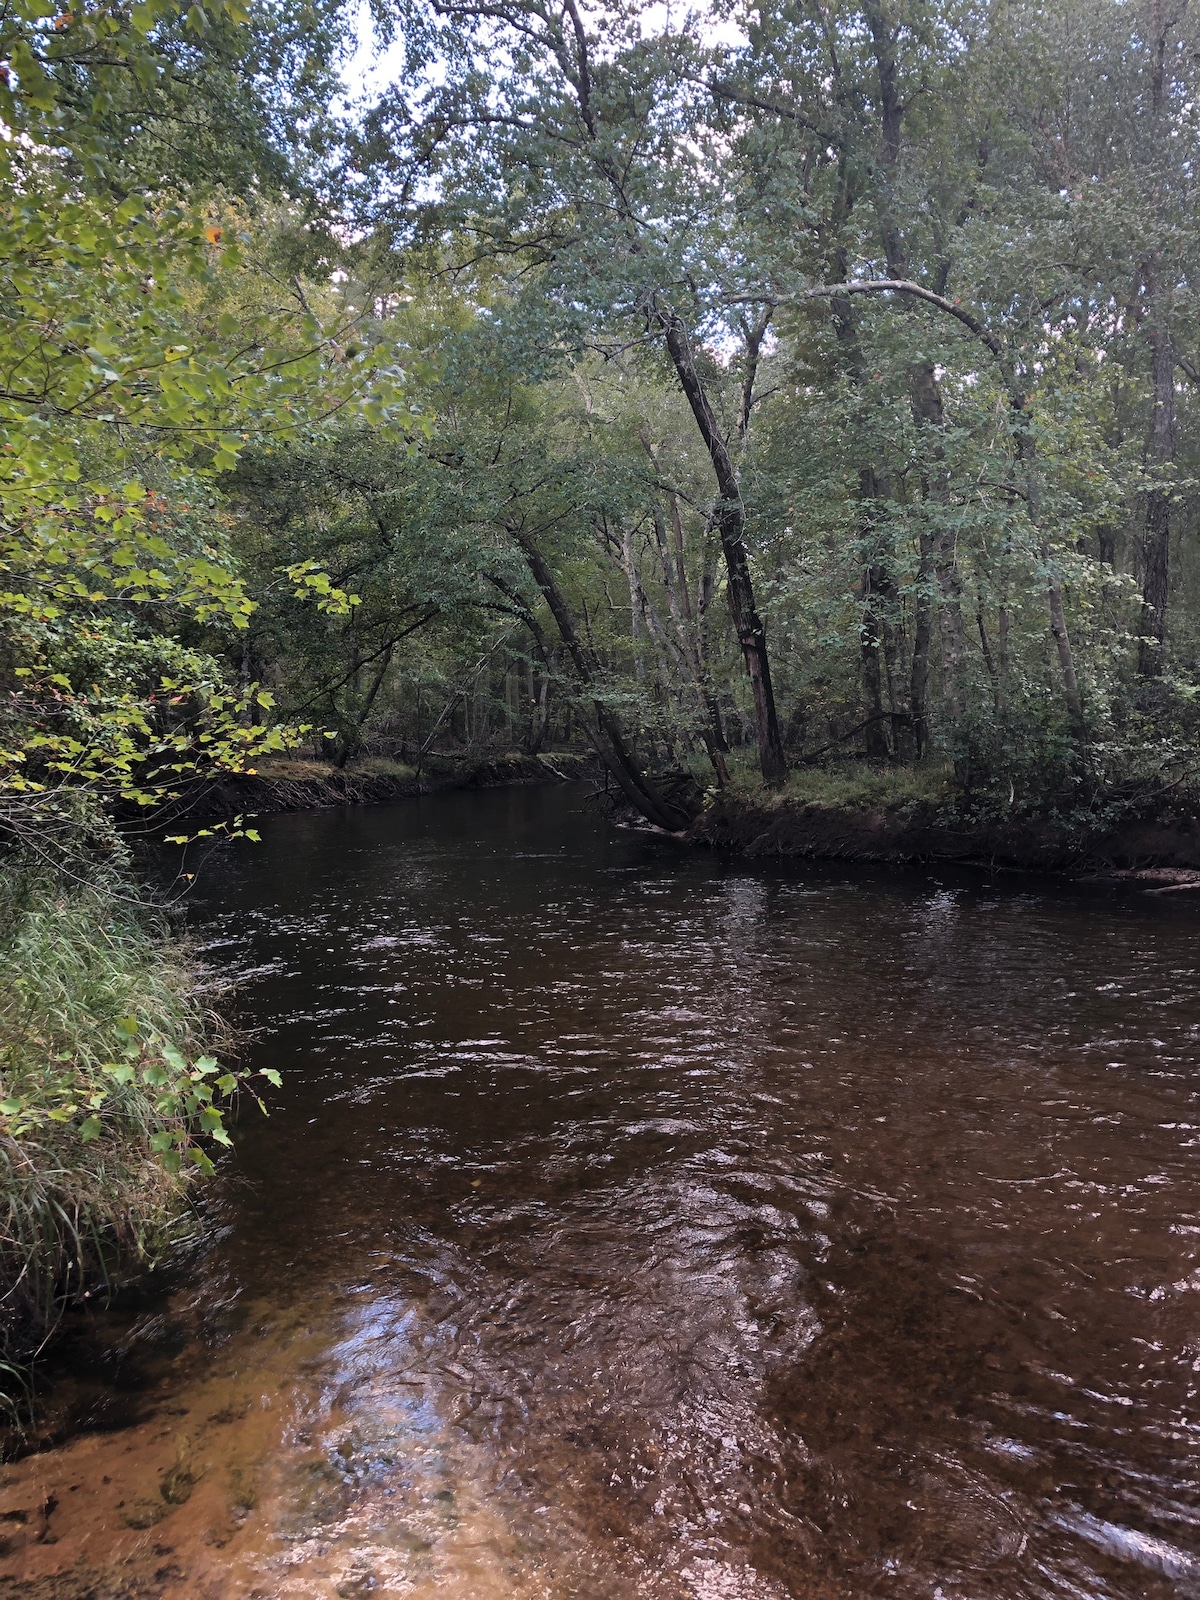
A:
x,y
301,768
852,786
382,767
107,1094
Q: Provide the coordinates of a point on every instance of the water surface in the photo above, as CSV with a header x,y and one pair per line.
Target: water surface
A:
x,y
636,1222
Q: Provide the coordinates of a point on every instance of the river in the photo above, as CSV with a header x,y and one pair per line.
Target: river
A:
x,y
637,1222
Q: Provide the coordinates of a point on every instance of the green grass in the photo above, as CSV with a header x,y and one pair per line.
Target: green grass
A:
x,y
853,786
96,1004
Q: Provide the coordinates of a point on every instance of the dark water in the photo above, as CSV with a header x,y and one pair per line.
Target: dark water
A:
x,y
638,1222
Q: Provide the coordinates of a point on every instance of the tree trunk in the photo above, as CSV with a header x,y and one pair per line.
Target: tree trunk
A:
x,y
729,519
1156,538
600,722
922,633
1027,454
878,748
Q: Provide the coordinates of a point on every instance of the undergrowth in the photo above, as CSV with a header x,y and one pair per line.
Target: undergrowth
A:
x,y
850,786
107,1094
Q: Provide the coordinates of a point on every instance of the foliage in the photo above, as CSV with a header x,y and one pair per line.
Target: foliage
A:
x,y
930,262
145,338
144,343
108,1094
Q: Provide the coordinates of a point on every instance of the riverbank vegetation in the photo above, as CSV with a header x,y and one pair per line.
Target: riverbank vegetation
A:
x,y
761,397
822,393
106,1085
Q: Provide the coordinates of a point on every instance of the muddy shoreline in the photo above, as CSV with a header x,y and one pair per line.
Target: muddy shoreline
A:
x,y
1164,852
313,786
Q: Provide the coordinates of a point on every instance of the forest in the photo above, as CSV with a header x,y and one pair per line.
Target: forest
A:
x,y
753,396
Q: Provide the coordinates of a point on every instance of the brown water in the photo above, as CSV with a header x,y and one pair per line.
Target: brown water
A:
x,y
642,1223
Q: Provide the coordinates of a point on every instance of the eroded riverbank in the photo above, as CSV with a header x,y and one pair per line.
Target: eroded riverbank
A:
x,y
920,831
645,1222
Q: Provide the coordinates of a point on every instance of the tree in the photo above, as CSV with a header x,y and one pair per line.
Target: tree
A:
x,y
628,235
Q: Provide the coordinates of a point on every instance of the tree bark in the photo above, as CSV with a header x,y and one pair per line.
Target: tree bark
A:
x,y
1156,538
1027,454
729,519
601,723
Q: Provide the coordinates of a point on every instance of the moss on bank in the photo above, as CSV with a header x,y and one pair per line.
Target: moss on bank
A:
x,y
105,1090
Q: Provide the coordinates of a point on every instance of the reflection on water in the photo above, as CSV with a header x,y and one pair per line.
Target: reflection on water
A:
x,y
635,1222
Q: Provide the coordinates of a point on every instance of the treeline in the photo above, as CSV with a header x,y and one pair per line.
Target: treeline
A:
x,y
801,383
827,390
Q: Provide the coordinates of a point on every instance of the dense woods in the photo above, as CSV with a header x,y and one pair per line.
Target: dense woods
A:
x,y
808,383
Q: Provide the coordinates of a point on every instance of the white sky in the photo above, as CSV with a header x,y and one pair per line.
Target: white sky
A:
x,y
368,70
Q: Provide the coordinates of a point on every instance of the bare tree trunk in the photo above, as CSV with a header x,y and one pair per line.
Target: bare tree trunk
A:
x,y
1156,538
600,722
729,519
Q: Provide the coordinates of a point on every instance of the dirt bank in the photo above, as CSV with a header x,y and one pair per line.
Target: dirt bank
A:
x,y
921,832
297,785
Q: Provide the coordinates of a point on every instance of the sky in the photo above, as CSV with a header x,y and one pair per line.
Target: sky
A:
x,y
369,69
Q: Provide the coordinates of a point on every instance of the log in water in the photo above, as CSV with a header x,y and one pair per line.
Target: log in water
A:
x,y
638,1223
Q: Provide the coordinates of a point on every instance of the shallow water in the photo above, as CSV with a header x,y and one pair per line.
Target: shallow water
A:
x,y
635,1222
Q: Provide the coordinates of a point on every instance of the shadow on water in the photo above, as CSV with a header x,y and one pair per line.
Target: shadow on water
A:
x,y
643,1223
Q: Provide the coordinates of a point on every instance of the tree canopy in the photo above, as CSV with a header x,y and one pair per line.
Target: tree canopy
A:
x,y
785,383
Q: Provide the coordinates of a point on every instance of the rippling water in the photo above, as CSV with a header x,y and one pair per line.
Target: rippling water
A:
x,y
637,1222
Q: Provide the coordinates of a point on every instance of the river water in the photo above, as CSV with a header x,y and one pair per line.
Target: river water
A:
x,y
637,1222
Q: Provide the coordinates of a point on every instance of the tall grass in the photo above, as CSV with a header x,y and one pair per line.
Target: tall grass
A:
x,y
93,992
